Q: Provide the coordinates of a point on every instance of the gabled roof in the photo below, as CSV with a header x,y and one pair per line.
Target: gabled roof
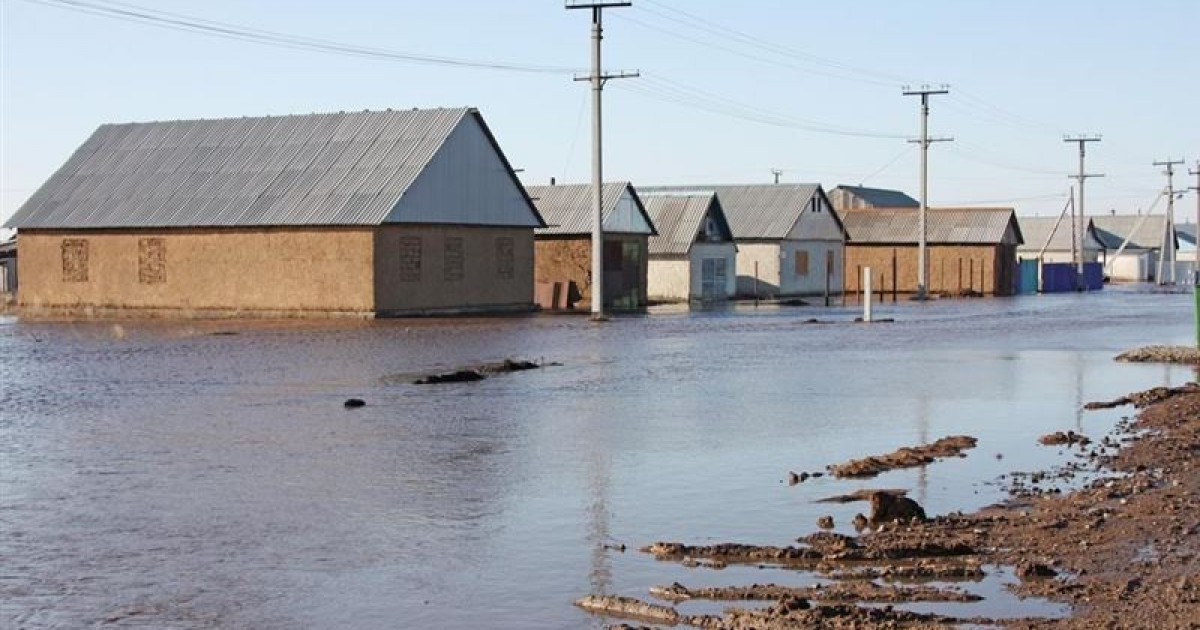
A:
x,y
679,220
317,169
878,197
1036,230
567,209
944,226
758,211
1113,229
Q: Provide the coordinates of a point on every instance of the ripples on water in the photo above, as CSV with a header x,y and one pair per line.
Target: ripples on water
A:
x,y
175,475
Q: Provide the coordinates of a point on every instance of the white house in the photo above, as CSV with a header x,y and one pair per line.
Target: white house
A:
x,y
790,240
693,257
1133,243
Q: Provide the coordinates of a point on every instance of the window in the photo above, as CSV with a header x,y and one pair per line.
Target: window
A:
x,y
712,278
410,259
152,260
452,267
504,258
801,262
75,260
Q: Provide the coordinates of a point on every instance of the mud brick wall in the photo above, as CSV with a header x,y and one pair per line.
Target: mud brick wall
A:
x,y
952,268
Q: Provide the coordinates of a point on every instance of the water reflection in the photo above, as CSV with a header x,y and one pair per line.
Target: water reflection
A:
x,y
187,479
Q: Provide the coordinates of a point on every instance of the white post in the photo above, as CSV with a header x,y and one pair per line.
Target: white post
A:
x,y
866,294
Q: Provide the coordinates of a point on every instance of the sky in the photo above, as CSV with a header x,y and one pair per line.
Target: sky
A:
x,y
728,90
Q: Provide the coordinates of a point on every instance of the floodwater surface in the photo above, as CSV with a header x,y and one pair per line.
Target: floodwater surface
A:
x,y
156,474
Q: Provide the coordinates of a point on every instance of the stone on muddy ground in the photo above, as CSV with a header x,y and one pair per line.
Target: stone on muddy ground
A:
x,y
1186,355
861,495
860,522
825,522
906,457
354,403
886,507
1034,569
1069,438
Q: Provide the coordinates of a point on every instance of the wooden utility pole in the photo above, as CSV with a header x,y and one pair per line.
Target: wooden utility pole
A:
x,y
924,92
598,78
1169,236
1077,229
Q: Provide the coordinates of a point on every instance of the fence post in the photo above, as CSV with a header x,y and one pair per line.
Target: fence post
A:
x,y
866,294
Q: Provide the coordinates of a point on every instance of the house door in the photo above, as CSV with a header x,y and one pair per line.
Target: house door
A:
x,y
712,278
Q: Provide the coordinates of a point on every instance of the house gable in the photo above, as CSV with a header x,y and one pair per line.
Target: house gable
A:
x,y
467,182
818,221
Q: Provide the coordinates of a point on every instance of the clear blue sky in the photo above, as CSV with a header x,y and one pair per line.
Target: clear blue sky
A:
x,y
1021,73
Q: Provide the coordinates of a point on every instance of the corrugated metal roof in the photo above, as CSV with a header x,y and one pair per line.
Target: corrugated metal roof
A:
x,y
755,211
1113,229
567,208
679,220
1035,230
878,197
315,169
943,226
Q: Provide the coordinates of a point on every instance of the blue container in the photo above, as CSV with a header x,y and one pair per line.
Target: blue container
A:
x,y
1027,277
1058,277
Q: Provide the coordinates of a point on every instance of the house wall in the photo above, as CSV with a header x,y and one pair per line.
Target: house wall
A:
x,y
766,256
812,282
236,270
669,279
429,269
568,259
1136,266
1059,256
952,268
699,252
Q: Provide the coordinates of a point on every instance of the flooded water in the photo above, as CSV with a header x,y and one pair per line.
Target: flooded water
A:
x,y
161,475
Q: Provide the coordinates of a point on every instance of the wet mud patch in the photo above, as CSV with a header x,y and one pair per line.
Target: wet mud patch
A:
x,y
906,457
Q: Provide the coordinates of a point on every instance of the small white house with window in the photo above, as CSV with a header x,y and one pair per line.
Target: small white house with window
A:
x,y
693,257
789,239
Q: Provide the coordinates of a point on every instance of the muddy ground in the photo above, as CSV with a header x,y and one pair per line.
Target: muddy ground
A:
x,y
1123,551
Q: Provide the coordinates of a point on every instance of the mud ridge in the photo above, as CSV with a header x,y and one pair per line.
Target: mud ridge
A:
x,y
906,457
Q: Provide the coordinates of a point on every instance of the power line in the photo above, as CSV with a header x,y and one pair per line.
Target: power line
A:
x,y
924,92
191,24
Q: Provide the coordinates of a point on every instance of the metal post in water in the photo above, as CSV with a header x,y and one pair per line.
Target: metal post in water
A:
x,y
866,294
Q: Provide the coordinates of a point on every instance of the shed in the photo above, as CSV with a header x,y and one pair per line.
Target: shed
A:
x,y
968,249
789,238
373,213
693,257
846,197
1040,232
564,246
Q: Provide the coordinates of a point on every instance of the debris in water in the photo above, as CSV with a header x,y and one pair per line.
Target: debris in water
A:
x,y
1069,438
354,403
480,372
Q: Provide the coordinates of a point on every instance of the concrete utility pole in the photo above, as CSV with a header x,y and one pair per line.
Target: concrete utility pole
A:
x,y
1078,229
776,172
597,78
924,92
1169,237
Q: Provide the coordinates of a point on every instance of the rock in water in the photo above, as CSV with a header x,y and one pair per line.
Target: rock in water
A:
x,y
886,508
354,403
825,522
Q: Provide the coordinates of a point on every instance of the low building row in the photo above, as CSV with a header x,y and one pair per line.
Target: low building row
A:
x,y
414,212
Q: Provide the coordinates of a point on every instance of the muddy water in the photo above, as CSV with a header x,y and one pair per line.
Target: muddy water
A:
x,y
160,475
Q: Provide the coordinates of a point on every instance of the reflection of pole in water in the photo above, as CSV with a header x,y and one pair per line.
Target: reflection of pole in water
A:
x,y
922,438
597,536
1079,392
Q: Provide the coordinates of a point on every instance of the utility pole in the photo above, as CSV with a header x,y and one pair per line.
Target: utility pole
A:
x,y
776,172
924,92
598,78
1078,229
1169,237
1196,253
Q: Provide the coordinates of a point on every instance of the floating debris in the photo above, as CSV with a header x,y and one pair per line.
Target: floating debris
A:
x,y
354,403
